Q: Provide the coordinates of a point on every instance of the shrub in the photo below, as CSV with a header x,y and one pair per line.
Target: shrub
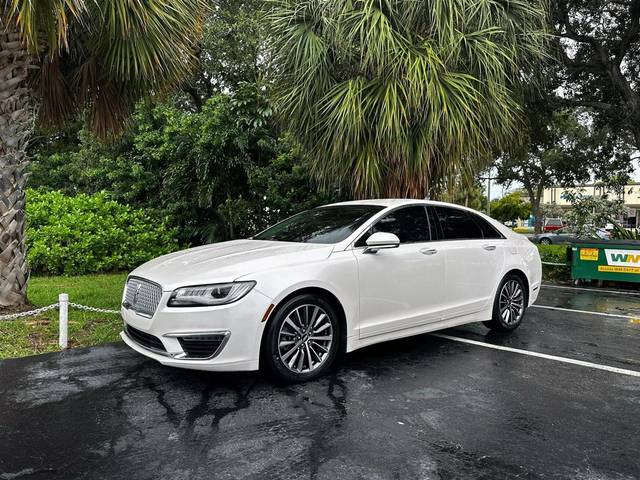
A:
x,y
90,234
554,254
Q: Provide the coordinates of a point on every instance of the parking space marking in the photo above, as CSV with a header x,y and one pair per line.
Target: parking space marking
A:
x,y
582,363
588,312
600,290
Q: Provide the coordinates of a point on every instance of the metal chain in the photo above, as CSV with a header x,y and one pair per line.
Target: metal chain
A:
x,y
38,311
556,264
93,309
31,313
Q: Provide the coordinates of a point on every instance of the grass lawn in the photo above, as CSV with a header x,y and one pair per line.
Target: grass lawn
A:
x,y
39,334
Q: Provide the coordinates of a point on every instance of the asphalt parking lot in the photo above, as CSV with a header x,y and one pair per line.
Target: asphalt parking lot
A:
x,y
423,407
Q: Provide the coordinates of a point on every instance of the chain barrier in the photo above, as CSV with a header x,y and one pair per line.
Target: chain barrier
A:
x,y
556,264
38,311
30,313
93,309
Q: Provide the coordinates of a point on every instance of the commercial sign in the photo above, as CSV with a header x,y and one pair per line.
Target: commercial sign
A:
x,y
621,261
589,254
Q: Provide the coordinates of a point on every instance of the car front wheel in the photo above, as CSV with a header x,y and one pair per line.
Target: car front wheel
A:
x,y
509,305
545,241
302,339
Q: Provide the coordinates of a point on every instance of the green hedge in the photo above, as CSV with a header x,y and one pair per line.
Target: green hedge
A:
x,y
81,234
554,254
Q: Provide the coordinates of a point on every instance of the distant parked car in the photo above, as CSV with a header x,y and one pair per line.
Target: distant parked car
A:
x,y
568,234
552,224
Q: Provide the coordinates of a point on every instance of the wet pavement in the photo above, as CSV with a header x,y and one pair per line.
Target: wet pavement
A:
x,y
422,407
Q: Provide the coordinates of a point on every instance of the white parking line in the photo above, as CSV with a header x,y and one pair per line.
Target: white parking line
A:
x,y
597,366
601,290
588,312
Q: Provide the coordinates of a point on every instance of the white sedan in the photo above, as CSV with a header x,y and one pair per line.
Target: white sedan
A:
x,y
329,280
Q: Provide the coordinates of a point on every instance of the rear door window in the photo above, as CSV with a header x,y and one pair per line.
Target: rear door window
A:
x,y
488,230
456,224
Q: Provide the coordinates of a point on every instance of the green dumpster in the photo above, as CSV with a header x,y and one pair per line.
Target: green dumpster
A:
x,y
616,260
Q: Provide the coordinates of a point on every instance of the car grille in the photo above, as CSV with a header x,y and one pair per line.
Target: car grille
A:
x,y
142,296
145,339
202,346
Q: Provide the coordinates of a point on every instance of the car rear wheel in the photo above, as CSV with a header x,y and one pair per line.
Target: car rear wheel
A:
x,y
545,241
302,339
509,305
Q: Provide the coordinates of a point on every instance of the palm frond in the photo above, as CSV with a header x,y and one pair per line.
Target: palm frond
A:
x,y
101,56
400,96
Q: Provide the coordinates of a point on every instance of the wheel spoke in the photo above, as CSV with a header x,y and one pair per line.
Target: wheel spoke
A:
x,y
293,360
289,321
312,350
324,339
301,361
322,328
289,353
309,359
321,318
316,344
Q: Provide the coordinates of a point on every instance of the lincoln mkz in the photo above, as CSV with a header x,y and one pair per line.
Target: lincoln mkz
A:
x,y
328,281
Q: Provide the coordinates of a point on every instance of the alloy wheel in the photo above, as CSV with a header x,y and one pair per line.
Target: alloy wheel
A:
x,y
305,338
511,302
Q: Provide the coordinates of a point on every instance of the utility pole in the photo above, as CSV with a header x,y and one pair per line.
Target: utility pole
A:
x,y
489,194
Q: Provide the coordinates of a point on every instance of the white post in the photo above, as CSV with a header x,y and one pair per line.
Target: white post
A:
x,y
63,299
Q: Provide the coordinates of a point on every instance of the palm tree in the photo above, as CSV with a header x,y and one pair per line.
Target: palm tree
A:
x,y
403,97
61,58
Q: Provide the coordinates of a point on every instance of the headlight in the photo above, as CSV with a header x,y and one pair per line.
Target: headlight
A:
x,y
218,294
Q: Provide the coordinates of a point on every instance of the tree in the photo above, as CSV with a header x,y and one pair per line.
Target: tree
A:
x,y
588,213
395,98
232,51
510,207
598,44
63,57
560,147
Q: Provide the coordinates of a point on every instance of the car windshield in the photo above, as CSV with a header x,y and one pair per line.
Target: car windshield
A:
x,y
321,225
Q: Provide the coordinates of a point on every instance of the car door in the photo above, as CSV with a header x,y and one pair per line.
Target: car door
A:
x,y
402,287
565,235
474,253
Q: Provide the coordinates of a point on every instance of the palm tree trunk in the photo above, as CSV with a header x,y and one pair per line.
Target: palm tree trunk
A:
x,y
16,121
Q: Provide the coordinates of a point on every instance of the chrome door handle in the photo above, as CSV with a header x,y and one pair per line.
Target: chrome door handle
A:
x,y
489,247
428,251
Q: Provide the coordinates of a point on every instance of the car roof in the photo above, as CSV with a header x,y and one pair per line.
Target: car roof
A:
x,y
391,202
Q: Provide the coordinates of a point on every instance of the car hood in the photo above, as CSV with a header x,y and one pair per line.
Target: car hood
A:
x,y
226,261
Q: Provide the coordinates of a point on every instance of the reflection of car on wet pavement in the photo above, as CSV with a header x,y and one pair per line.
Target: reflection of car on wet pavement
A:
x,y
329,280
464,403
568,234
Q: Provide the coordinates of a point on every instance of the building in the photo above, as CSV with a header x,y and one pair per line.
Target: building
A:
x,y
630,195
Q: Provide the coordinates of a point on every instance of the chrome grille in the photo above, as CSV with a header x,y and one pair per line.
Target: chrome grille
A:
x,y
142,296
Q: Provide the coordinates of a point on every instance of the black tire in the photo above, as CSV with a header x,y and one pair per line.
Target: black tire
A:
x,y
276,359
508,299
545,241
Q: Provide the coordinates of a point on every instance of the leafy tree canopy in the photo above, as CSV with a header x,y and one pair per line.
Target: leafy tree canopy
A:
x,y
562,147
598,45
510,207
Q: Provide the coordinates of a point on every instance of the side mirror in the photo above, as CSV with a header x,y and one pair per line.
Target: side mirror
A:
x,y
381,240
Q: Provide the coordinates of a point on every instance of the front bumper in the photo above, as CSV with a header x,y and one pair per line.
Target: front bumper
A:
x,y
240,322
